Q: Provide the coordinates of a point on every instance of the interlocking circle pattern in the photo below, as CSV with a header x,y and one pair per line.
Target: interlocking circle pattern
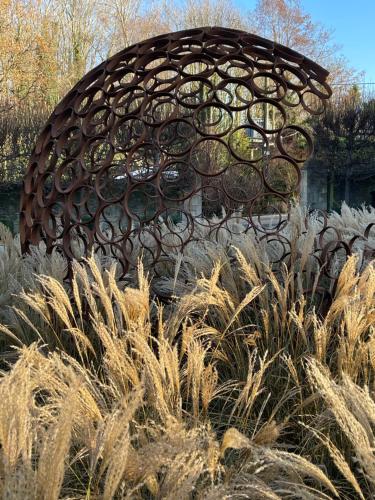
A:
x,y
185,130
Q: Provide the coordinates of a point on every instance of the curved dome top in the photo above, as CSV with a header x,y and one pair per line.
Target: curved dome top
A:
x,y
166,134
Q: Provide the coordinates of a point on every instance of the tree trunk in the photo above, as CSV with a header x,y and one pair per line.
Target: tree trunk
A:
x,y
347,187
330,189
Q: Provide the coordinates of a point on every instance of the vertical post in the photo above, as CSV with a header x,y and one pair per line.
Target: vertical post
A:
x,y
304,183
193,205
265,107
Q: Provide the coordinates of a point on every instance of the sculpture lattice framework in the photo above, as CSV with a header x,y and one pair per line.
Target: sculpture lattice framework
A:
x,y
186,131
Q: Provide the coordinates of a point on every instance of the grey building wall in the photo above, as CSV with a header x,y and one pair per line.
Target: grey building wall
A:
x,y
10,206
315,186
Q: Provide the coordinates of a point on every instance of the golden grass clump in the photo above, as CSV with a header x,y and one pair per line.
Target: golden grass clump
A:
x,y
236,387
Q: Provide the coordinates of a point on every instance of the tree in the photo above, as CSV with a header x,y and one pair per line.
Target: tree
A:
x,y
345,141
121,22
26,53
198,13
285,22
79,33
28,80
17,138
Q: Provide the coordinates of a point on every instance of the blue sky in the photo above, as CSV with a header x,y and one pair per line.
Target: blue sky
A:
x,y
353,23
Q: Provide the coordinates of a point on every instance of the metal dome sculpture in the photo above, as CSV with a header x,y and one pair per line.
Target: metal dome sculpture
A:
x,y
187,130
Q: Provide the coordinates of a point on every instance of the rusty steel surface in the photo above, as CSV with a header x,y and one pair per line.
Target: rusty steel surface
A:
x,y
186,133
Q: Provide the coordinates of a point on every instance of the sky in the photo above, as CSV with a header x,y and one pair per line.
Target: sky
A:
x,y
353,25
